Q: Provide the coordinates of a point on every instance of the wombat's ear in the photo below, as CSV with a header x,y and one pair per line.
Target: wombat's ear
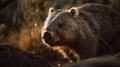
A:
x,y
74,11
51,10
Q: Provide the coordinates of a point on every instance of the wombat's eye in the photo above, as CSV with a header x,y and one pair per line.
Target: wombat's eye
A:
x,y
60,25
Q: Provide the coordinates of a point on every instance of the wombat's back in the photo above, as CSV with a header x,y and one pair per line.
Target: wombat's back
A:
x,y
105,22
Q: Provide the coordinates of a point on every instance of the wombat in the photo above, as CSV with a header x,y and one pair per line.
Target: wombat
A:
x,y
90,30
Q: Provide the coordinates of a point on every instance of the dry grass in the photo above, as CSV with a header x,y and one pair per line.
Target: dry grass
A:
x,y
28,37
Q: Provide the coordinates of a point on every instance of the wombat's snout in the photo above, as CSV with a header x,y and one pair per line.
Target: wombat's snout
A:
x,y
47,37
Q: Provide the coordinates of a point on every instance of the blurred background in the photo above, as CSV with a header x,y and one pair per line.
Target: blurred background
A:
x,y
21,20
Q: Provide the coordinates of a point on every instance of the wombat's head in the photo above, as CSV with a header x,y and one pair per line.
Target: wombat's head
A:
x,y
60,27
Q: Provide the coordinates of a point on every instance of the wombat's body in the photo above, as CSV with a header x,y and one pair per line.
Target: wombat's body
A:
x,y
90,30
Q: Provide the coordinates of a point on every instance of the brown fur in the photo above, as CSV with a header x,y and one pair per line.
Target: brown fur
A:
x,y
57,56
90,30
67,52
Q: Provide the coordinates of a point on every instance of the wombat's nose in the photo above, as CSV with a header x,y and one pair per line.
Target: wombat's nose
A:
x,y
47,37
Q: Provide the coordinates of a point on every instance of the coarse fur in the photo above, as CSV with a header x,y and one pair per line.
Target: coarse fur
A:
x,y
56,56
67,52
90,30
